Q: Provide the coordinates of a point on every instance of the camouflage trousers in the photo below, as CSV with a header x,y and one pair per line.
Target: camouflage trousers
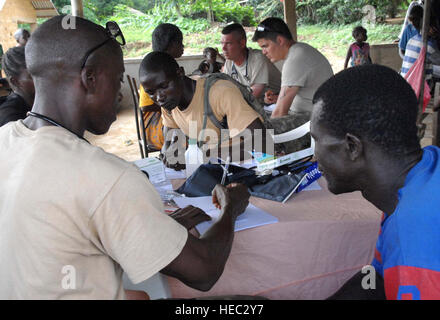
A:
x,y
287,123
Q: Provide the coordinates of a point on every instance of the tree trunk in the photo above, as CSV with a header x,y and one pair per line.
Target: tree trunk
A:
x,y
210,14
179,13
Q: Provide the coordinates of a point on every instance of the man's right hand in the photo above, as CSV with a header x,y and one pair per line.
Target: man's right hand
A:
x,y
234,197
202,260
270,97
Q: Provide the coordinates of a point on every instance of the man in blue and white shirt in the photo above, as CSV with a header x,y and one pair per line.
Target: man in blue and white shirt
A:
x,y
415,45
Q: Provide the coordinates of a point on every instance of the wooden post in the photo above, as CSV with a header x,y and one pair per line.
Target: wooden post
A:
x,y
425,30
290,16
77,8
436,116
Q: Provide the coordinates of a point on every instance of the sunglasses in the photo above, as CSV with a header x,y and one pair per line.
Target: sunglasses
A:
x,y
113,32
262,28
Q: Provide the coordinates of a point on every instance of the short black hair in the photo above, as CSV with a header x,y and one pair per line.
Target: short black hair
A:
x,y
416,16
54,47
207,49
158,61
164,35
359,29
14,61
20,32
236,28
372,102
270,28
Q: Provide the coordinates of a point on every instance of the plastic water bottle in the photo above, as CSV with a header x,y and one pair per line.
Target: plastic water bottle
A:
x,y
193,157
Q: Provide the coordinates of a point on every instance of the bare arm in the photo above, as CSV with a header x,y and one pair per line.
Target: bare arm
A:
x,y
151,108
347,58
244,145
285,98
257,90
202,260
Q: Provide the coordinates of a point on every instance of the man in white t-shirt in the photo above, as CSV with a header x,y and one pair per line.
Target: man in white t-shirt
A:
x,y
246,65
304,68
72,216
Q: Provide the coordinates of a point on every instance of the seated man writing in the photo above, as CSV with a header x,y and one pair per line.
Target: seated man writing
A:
x,y
73,216
366,140
182,101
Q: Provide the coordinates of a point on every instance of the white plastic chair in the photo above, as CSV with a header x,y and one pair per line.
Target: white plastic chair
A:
x,y
289,136
296,134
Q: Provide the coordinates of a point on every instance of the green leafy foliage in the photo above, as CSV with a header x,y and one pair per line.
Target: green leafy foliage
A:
x,y
127,18
344,11
223,10
325,24
338,37
267,8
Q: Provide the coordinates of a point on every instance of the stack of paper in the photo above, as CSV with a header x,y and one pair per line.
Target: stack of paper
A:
x,y
154,167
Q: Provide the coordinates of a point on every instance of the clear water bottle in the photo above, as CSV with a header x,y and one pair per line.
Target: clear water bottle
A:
x,y
193,157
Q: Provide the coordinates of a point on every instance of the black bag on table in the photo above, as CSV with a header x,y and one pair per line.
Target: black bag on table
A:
x,y
276,186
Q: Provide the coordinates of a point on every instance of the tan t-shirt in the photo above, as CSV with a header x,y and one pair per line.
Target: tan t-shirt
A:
x,y
72,217
256,70
225,99
307,68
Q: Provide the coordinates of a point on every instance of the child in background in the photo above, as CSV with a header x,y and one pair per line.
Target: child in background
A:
x,y
210,64
359,51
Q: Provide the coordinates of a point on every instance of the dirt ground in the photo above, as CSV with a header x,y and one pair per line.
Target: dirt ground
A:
x,y
121,139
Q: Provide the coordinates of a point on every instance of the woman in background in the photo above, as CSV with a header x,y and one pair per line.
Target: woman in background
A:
x,y
20,101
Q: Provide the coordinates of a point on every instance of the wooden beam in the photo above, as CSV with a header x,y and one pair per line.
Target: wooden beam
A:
x,y
290,16
425,30
77,8
436,116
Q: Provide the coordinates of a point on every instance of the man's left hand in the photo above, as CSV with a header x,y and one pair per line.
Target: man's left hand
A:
x,y
190,216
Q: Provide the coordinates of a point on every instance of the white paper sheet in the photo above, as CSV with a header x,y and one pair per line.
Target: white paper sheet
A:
x,y
251,218
174,174
165,190
154,167
270,108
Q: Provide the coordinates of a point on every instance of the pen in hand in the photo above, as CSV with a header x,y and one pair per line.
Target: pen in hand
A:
x,y
225,170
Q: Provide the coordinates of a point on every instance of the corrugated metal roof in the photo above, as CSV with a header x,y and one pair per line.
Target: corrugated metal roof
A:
x,y
43,4
44,8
